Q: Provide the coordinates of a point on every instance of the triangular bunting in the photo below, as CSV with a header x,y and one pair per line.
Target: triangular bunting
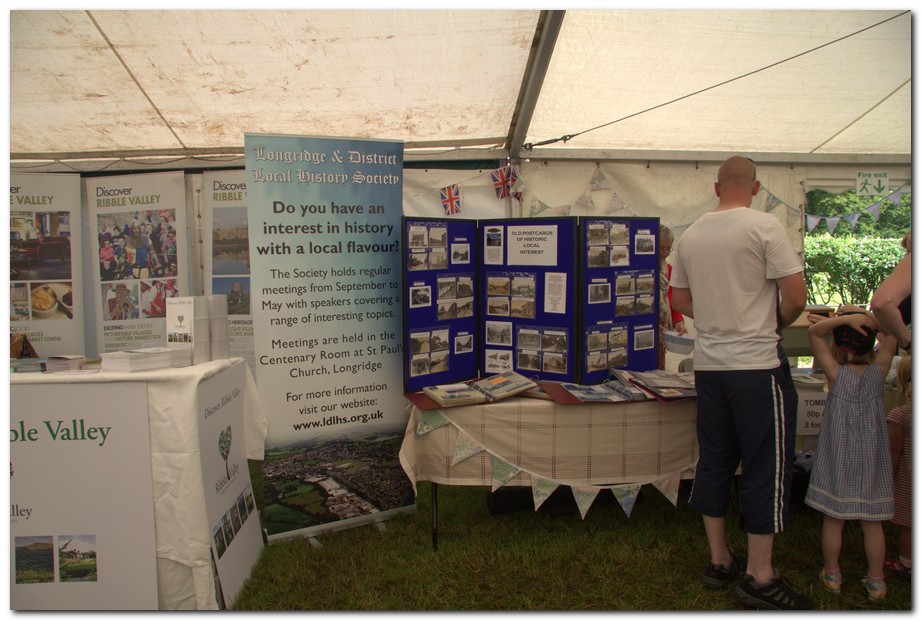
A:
x,y
584,497
669,487
772,202
852,219
464,448
895,197
832,222
626,495
585,200
599,180
537,207
563,211
429,420
503,472
616,203
874,210
541,489
812,221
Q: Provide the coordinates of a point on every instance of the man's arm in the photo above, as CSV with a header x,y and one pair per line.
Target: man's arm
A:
x,y
793,290
886,300
682,301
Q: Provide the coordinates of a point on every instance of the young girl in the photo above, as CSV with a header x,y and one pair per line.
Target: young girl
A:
x,y
899,426
851,477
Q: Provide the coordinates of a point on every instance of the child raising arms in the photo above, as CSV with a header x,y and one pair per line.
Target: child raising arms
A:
x,y
851,477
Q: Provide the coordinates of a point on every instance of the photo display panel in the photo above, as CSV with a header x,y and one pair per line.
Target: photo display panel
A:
x,y
528,300
619,291
441,337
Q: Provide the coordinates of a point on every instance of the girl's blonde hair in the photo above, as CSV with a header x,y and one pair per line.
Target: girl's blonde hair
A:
x,y
904,376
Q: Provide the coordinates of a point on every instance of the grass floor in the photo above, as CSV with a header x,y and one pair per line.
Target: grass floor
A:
x,y
546,560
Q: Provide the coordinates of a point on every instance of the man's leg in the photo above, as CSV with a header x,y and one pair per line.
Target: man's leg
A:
x,y
759,562
715,528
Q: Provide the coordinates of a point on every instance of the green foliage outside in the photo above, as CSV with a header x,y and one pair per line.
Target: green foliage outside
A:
x,y
846,266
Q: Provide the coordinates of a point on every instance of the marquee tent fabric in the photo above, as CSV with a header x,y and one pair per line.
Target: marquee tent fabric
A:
x,y
781,86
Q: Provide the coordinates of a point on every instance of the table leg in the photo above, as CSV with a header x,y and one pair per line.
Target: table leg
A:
x,y
435,516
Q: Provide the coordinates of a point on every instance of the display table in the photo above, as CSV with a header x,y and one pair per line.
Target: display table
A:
x,y
185,578
542,444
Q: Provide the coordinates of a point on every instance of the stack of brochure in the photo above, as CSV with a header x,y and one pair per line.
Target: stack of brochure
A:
x,y
27,365
57,364
187,330
490,388
143,359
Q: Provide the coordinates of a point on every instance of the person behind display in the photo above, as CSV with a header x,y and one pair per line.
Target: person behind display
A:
x,y
851,477
669,319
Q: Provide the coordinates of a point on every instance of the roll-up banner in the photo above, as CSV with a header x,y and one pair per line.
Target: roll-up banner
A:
x,y
324,228
138,224
226,253
46,287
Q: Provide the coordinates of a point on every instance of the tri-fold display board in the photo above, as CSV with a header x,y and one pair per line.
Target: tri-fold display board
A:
x,y
560,299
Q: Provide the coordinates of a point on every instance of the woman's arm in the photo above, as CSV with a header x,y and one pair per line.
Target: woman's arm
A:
x,y
886,300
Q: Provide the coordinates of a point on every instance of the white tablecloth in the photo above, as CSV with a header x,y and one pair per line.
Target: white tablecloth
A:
x,y
185,578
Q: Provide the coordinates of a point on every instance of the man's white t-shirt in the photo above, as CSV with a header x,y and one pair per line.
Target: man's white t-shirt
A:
x,y
730,260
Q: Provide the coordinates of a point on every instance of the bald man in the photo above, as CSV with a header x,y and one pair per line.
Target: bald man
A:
x,y
736,274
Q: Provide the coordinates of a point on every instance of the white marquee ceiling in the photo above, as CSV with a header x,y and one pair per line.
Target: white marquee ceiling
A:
x,y
814,84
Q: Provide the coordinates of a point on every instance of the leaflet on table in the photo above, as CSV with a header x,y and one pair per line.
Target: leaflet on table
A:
x,y
454,394
504,385
666,386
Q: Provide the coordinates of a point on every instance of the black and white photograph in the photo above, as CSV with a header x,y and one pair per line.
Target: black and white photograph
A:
x,y
420,296
447,310
497,360
448,288
417,261
498,306
620,256
619,235
643,304
523,286
596,361
645,283
624,306
528,359
597,235
644,244
439,340
523,307
596,340
555,363
554,341
438,259
419,365
418,237
528,339
438,237
499,333
419,342
498,285
438,362
617,358
460,254
617,337
464,344
597,256
465,308
643,339
624,284
599,293
465,287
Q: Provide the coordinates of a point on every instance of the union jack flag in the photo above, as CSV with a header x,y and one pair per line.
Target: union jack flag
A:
x,y
451,199
501,181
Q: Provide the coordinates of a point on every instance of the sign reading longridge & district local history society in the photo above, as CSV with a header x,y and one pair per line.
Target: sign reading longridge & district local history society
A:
x,y
324,219
81,499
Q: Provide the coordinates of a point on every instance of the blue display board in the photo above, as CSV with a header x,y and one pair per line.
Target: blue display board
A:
x,y
619,295
441,336
528,302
